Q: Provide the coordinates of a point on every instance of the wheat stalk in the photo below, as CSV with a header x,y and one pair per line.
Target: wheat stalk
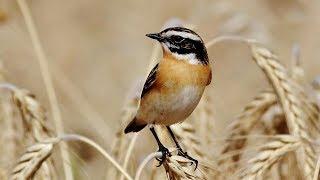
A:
x,y
244,124
316,90
273,121
301,110
76,137
35,128
32,160
34,118
269,154
203,120
38,153
316,172
298,122
11,131
82,104
44,67
32,113
176,167
119,145
145,162
119,148
3,174
289,167
10,135
296,71
220,39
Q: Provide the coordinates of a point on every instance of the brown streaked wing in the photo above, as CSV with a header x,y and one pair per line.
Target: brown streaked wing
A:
x,y
150,80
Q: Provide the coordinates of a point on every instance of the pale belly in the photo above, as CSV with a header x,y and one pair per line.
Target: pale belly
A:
x,y
172,108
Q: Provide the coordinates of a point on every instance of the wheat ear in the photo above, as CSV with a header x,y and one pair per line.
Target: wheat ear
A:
x,y
244,124
269,154
297,120
32,113
32,160
203,120
11,133
34,118
44,67
35,128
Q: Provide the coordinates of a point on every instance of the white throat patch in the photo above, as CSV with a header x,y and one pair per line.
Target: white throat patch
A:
x,y
190,58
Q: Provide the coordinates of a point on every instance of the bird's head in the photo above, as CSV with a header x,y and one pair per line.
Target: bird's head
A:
x,y
183,44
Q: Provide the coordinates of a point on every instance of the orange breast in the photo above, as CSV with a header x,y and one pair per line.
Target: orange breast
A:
x,y
176,74
175,93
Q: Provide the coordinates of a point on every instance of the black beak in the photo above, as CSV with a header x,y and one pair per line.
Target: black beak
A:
x,y
155,36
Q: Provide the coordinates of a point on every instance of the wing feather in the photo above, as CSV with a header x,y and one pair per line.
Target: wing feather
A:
x,y
210,78
150,80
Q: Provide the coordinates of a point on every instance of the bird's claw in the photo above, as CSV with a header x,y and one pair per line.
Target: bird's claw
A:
x,y
165,152
185,155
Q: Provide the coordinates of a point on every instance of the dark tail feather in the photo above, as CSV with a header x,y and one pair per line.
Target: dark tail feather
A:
x,y
134,126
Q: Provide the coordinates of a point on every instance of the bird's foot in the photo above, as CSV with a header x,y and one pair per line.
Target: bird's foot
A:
x,y
185,155
165,152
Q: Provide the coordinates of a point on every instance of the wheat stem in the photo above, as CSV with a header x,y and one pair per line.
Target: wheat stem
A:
x,y
8,86
298,120
145,162
70,137
219,39
268,154
81,103
32,160
44,67
129,152
316,172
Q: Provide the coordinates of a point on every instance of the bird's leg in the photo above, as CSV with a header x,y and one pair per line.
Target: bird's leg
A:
x,y
180,151
162,149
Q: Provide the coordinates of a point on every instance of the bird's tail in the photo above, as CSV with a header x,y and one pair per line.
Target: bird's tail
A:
x,y
134,126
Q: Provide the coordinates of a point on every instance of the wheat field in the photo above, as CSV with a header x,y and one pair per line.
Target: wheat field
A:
x,y
71,75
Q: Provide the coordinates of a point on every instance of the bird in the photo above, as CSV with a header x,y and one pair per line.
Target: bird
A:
x,y
174,86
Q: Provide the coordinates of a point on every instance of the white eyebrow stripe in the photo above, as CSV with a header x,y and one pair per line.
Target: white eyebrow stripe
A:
x,y
184,35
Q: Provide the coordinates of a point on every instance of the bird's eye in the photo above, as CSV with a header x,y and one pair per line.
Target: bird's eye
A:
x,y
187,45
177,39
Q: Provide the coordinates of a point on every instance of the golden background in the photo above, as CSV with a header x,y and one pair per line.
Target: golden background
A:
x,y
98,49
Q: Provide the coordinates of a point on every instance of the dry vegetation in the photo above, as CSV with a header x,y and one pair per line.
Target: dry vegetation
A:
x,y
276,136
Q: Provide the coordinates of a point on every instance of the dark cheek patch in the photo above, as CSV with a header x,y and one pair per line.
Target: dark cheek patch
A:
x,y
189,46
180,50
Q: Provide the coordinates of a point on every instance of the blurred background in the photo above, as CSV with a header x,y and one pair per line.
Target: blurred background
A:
x,y
98,50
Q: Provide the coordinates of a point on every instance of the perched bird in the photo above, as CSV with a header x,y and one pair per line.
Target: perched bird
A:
x,y
175,85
